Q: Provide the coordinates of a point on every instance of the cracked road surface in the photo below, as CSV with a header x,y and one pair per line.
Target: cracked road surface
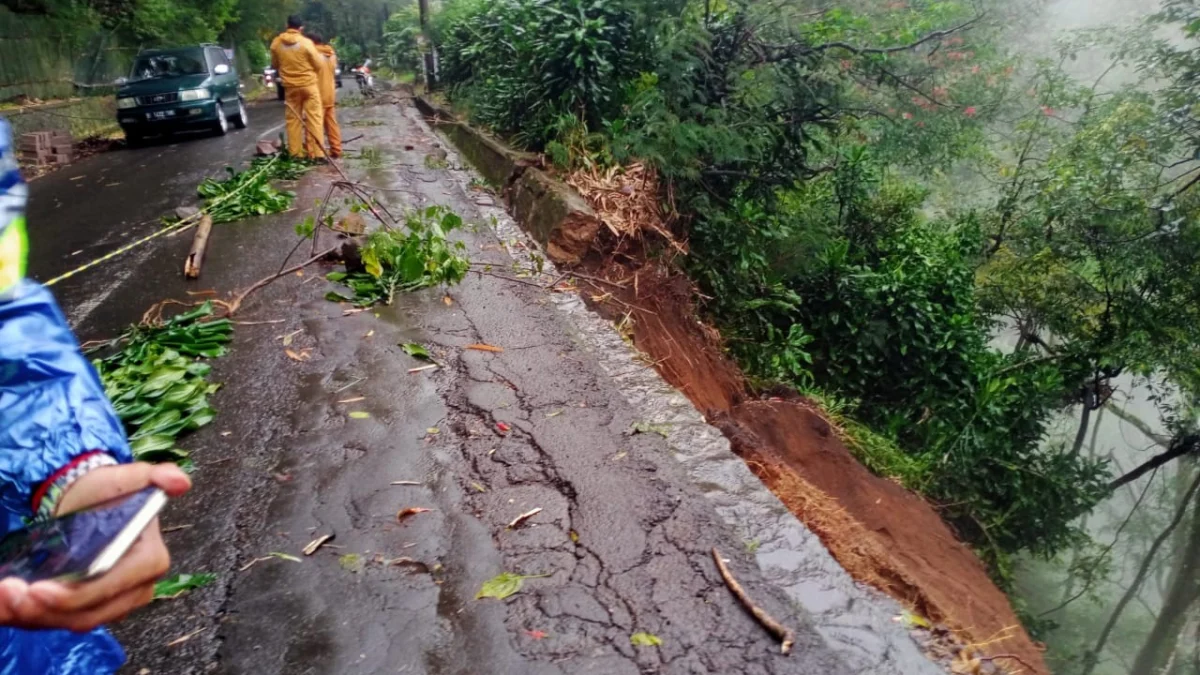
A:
x,y
621,545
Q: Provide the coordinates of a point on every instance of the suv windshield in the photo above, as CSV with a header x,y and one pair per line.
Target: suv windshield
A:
x,y
169,64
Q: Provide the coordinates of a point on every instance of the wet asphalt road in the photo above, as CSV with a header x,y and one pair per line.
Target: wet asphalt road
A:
x,y
623,536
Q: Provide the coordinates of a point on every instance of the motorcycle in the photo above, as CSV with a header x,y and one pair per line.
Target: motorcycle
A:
x,y
366,82
271,78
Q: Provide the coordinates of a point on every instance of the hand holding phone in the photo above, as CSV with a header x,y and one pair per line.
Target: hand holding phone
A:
x,y
127,586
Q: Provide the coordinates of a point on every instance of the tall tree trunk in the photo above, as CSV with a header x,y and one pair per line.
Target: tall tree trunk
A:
x,y
1183,594
1092,658
429,53
1089,400
1069,587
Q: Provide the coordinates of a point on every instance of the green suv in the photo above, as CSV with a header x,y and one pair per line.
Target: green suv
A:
x,y
180,89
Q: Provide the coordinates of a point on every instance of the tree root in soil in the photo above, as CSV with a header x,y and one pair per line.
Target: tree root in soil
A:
x,y
786,636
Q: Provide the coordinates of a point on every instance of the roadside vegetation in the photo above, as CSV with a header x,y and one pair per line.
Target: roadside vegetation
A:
x,y
947,244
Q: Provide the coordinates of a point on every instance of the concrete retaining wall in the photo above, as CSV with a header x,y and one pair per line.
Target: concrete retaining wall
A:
x,y
83,118
555,215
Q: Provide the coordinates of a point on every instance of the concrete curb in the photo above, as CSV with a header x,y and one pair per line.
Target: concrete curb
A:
x,y
555,215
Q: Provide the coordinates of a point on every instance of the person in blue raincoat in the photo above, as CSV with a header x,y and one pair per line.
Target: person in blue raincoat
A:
x,y
62,449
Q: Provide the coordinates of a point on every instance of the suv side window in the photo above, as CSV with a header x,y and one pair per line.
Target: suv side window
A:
x,y
215,57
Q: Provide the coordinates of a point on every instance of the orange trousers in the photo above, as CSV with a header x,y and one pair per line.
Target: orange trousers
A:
x,y
304,116
333,132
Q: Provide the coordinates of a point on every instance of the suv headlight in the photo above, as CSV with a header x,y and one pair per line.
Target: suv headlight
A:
x,y
194,95
126,103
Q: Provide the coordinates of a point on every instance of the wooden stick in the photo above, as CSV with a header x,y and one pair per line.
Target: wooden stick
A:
x,y
237,301
786,636
195,257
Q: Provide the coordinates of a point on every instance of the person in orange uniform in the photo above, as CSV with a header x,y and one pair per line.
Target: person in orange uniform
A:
x,y
296,60
325,83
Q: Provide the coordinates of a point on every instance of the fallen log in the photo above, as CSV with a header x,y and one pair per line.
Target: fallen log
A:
x,y
195,257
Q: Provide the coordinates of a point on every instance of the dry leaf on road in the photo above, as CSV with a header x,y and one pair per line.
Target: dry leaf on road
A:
x,y
480,347
410,511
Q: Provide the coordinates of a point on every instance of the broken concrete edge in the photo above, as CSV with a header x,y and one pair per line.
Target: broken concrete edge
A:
x,y
553,213
848,614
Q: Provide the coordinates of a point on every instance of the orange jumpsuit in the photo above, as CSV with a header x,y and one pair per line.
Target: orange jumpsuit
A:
x,y
296,60
327,87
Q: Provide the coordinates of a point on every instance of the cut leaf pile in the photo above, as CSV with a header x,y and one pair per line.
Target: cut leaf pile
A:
x,y
249,193
157,388
394,260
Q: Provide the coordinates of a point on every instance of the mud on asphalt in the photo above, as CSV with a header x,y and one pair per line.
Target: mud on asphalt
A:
x,y
624,535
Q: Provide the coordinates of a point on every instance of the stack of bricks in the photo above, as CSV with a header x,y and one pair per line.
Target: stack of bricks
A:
x,y
43,148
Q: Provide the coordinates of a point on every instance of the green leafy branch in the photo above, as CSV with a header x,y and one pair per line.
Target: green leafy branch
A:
x,y
404,261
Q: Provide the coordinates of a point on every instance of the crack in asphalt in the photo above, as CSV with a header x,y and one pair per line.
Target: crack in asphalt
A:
x,y
624,532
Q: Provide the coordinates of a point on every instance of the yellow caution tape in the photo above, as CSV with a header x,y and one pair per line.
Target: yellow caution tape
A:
x,y
177,227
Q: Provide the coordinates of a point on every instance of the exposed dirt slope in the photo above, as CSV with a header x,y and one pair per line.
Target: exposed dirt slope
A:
x,y
881,533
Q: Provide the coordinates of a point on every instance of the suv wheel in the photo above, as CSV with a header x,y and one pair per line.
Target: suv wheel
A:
x,y
241,120
222,126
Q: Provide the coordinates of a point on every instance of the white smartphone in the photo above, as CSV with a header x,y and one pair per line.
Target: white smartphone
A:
x,y
80,545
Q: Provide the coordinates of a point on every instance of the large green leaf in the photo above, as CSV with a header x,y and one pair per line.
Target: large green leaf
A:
x,y
504,585
151,443
163,378
174,586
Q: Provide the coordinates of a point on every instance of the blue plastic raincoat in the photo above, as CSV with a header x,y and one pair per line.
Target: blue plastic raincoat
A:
x,y
52,409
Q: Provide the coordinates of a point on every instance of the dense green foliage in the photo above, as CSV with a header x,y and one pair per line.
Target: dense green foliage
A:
x,y
356,27
401,41
91,42
521,64
790,143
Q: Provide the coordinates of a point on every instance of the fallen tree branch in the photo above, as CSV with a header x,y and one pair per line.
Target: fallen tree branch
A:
x,y
236,304
786,636
345,178
501,276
